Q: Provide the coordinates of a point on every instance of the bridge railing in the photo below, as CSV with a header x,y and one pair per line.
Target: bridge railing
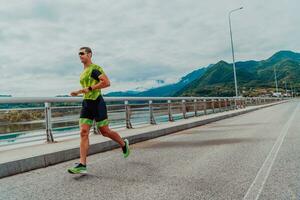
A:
x,y
24,120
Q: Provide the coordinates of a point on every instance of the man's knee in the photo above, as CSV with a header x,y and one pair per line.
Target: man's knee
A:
x,y
84,133
104,131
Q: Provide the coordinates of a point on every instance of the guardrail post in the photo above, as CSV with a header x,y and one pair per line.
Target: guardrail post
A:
x,y
183,109
205,107
48,123
127,114
95,129
235,104
170,111
195,107
244,103
225,104
213,105
152,119
220,105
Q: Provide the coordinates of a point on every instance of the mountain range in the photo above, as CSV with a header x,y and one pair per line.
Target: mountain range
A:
x,y
166,90
254,78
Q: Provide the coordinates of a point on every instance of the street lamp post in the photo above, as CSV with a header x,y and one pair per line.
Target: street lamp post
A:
x,y
285,88
291,88
232,50
276,83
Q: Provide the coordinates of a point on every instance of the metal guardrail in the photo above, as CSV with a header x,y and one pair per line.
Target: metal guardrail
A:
x,y
123,112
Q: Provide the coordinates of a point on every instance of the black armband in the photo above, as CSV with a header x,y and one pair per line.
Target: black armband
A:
x,y
95,74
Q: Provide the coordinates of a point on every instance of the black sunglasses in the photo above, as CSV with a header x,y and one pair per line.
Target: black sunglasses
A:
x,y
81,53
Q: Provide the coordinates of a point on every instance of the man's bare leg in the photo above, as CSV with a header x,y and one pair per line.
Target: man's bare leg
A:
x,y
84,142
107,132
84,147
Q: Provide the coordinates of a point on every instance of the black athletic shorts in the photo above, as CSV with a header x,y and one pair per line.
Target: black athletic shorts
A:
x,y
94,110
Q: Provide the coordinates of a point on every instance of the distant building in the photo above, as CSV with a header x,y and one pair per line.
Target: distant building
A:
x,y
276,94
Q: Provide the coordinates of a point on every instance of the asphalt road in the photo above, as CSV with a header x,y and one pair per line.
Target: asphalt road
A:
x,y
252,156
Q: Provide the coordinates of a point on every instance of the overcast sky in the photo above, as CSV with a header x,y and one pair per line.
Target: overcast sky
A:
x,y
135,41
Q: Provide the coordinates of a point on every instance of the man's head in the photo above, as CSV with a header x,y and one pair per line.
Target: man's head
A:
x,y
85,54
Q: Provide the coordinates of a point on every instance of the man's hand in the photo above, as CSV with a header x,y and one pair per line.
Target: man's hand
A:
x,y
84,90
75,93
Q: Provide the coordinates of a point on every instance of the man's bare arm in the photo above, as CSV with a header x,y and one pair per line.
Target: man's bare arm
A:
x,y
103,82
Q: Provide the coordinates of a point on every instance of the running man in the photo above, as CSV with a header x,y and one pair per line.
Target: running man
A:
x,y
92,80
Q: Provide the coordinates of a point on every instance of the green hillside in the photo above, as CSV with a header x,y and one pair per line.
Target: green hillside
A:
x,y
254,77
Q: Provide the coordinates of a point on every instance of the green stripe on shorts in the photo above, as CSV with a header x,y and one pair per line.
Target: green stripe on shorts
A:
x,y
102,123
85,121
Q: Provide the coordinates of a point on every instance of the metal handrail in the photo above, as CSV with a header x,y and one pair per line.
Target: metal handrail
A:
x,y
187,107
109,99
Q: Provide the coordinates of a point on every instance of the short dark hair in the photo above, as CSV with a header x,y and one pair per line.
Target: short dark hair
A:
x,y
87,49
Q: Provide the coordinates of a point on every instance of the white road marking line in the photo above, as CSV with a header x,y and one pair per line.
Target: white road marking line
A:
x,y
256,187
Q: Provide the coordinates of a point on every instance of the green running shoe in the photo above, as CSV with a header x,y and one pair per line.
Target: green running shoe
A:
x,y
127,150
78,169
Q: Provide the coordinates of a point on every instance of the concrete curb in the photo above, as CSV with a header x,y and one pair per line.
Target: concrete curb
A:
x,y
27,164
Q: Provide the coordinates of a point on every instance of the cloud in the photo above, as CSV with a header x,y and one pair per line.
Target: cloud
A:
x,y
136,42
